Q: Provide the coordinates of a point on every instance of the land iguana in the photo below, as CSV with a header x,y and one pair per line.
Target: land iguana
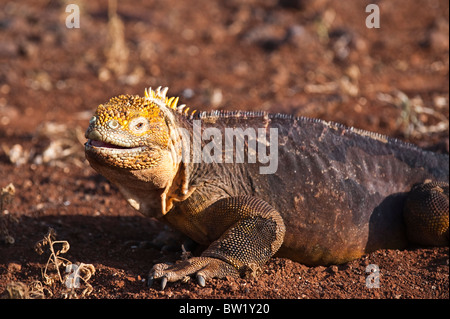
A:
x,y
326,194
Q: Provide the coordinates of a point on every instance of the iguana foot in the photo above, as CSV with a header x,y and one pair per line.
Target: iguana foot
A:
x,y
426,214
204,267
251,232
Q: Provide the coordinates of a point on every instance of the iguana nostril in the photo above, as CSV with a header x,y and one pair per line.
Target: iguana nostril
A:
x,y
94,135
93,120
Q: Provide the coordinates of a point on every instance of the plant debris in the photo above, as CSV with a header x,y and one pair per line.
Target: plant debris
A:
x,y
6,197
77,275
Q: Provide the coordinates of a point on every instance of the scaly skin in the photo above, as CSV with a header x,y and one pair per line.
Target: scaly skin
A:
x,y
336,194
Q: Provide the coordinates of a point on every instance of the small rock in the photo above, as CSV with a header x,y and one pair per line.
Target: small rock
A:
x,y
14,267
206,291
333,269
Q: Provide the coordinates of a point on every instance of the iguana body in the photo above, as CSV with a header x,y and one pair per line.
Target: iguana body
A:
x,y
337,192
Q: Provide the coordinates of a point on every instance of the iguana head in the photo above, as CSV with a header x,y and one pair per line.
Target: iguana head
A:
x,y
130,131
132,141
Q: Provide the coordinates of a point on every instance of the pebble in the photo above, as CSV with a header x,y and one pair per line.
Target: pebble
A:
x,y
14,267
333,269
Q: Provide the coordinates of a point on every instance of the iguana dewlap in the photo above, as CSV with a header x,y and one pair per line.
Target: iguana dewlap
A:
x,y
325,194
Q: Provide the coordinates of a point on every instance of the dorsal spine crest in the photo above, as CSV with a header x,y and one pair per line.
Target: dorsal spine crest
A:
x,y
159,97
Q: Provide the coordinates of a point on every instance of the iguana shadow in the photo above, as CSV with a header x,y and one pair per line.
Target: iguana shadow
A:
x,y
387,229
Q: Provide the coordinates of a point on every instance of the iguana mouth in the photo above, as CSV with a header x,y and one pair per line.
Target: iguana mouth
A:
x,y
105,147
113,155
97,141
102,144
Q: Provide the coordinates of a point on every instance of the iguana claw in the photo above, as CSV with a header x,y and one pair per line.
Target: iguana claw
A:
x,y
201,280
150,281
163,282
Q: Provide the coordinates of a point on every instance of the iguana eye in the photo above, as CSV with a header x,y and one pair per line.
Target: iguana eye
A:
x,y
139,125
113,124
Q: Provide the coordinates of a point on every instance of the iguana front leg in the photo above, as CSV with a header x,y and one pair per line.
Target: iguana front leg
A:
x,y
255,233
